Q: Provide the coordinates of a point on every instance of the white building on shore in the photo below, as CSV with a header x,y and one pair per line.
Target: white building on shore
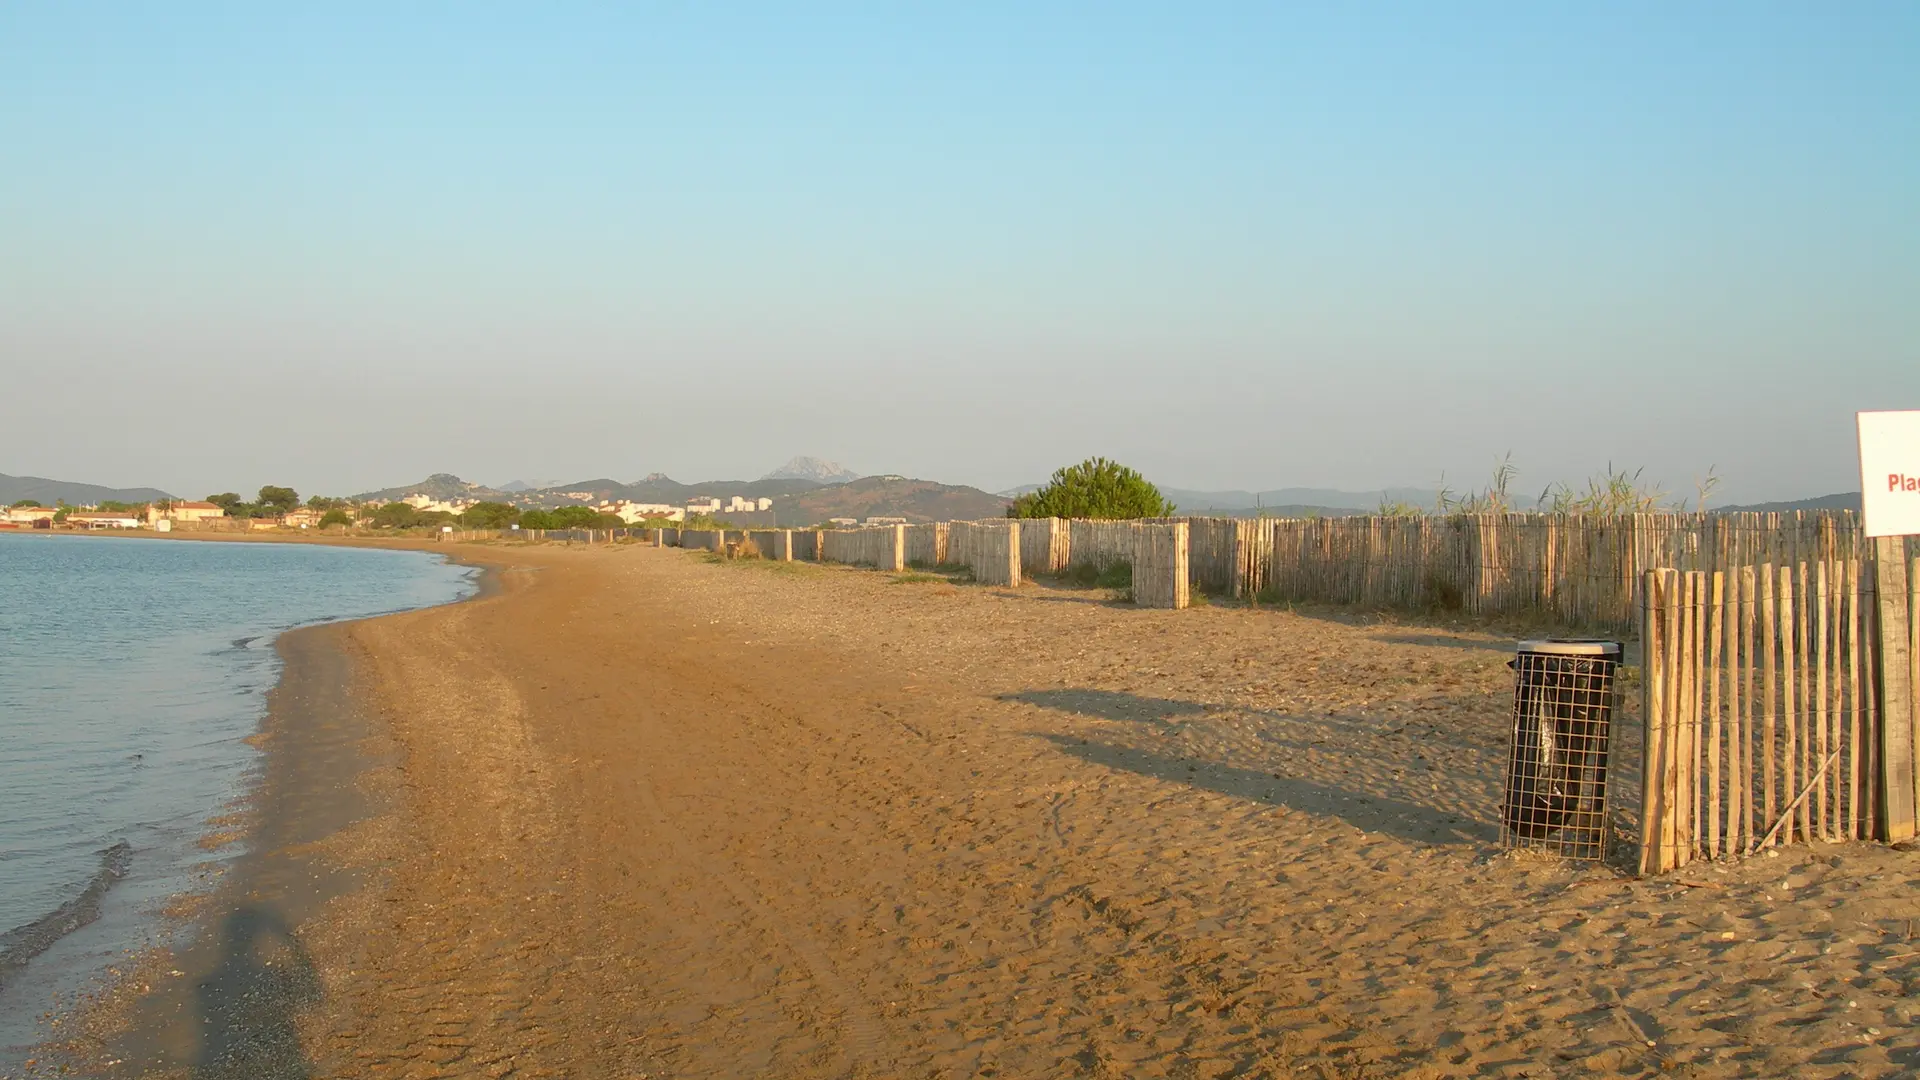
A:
x,y
633,512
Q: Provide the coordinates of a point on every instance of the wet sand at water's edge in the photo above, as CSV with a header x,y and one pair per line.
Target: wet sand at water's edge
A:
x,y
641,814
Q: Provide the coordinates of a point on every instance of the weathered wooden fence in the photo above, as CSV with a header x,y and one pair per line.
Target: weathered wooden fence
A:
x,y
1569,569
1099,544
927,544
1778,705
775,544
991,550
1044,545
883,548
1573,569
1160,570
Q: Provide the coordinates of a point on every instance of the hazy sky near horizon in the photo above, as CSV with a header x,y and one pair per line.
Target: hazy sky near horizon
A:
x,y
341,246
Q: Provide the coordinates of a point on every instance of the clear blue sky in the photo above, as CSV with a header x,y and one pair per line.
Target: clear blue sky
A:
x,y
1235,246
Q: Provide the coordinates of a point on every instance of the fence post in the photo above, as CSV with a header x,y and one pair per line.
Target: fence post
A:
x,y
1891,626
1007,561
1653,665
897,558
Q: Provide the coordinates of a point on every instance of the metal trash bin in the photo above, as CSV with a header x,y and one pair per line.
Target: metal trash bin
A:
x,y
1556,784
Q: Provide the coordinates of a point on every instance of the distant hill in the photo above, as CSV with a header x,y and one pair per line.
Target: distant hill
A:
x,y
888,496
437,486
1283,500
1284,510
658,488
1846,500
818,470
797,501
47,492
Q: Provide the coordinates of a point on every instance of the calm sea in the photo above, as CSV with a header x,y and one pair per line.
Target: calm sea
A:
x,y
131,671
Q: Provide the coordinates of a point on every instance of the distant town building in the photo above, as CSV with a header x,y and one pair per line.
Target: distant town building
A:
x,y
32,516
632,512
301,518
844,523
178,510
104,519
885,521
427,504
194,511
697,507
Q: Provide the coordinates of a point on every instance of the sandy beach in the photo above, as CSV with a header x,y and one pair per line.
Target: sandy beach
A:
x,y
637,813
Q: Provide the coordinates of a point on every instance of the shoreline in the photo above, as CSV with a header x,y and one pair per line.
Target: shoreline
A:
x,y
318,741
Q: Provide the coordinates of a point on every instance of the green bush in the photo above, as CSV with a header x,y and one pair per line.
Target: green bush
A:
x,y
335,516
490,515
396,515
276,501
1095,488
570,517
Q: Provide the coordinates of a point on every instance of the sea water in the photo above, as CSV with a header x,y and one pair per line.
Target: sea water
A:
x,y
131,673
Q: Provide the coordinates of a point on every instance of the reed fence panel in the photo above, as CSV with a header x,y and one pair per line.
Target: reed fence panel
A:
x,y
1574,569
1215,545
1161,572
1044,545
991,550
1099,544
927,544
775,544
883,548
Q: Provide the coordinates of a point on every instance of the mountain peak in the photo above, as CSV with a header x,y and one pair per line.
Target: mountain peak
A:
x,y
438,486
818,470
529,485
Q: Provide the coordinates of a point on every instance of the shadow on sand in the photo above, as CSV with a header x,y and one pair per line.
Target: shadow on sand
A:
x,y
1372,813
1107,704
1291,738
246,1005
1447,641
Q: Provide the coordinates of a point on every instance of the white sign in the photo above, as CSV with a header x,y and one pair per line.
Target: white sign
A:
x,y
1890,473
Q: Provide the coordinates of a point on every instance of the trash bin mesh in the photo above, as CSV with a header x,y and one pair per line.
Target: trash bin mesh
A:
x,y
1556,776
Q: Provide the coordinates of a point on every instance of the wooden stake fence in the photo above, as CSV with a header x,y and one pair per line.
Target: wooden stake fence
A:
x,y
1044,545
1160,570
1764,710
1576,570
883,548
991,551
775,544
927,544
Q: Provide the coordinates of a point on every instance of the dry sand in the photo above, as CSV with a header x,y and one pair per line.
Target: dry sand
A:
x,y
649,815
